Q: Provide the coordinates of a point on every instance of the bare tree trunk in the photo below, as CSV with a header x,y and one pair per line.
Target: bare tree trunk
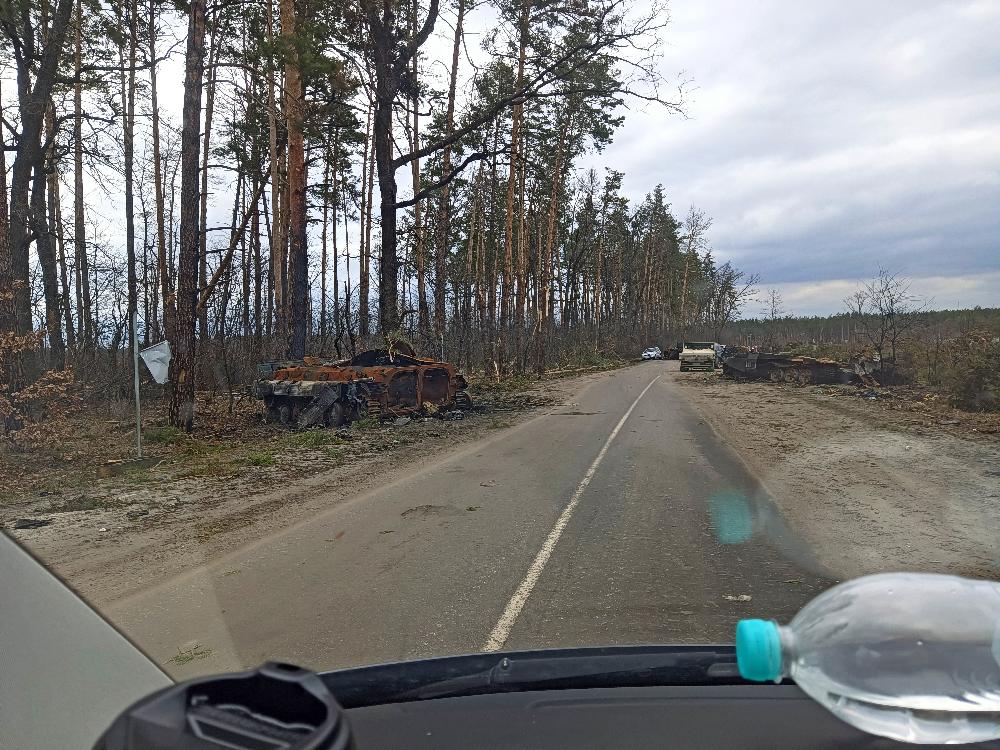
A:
x,y
480,246
56,228
128,128
388,264
34,90
245,264
184,361
423,314
335,178
169,306
347,255
277,239
258,267
203,216
151,327
521,300
8,318
298,255
323,244
544,302
470,253
444,210
598,289
490,332
47,260
515,145
82,272
364,279
172,232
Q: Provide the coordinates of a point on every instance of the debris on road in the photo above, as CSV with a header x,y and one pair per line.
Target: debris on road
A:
x,y
31,523
738,598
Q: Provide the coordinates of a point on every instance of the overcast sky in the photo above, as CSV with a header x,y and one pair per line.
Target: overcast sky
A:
x,y
827,137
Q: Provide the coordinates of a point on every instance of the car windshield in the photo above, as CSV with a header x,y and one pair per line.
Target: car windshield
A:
x,y
340,338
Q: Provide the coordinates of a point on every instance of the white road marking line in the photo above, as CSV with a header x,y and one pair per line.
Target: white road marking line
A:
x,y
510,614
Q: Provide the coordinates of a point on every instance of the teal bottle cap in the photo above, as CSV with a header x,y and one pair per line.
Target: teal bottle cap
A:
x,y
758,650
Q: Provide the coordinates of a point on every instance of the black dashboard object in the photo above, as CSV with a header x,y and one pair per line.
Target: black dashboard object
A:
x,y
275,707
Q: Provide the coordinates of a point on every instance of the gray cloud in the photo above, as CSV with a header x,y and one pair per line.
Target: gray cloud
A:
x,y
828,137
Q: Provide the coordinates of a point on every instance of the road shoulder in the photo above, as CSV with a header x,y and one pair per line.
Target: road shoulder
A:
x,y
869,490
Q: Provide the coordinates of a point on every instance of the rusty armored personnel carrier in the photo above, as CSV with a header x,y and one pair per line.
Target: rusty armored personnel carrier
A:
x,y
378,383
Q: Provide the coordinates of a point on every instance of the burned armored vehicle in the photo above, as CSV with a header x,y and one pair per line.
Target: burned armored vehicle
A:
x,y
785,368
379,383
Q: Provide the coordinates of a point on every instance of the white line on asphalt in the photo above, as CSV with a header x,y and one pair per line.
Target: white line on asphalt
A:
x,y
503,627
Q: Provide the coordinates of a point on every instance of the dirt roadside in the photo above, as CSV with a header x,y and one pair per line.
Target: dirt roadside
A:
x,y
109,537
871,481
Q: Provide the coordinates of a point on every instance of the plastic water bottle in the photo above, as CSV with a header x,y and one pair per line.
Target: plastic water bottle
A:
x,y
911,656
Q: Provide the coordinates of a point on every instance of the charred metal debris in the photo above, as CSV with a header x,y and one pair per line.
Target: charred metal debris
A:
x,y
379,383
786,368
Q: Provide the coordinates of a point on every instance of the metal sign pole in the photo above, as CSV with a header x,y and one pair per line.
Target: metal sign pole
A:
x,y
135,383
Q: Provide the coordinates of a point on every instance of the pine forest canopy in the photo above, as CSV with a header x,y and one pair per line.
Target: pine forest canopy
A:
x,y
334,173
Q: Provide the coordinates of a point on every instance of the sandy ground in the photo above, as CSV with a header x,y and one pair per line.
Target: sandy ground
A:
x,y
871,481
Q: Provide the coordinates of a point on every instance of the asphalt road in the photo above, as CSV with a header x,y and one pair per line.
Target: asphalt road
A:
x,y
617,518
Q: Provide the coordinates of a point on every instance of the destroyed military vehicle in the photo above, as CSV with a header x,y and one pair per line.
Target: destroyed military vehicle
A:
x,y
697,355
379,383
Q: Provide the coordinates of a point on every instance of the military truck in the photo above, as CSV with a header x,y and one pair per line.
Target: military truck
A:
x,y
379,383
697,355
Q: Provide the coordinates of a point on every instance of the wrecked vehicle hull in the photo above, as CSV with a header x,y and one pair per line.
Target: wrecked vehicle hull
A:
x,y
379,383
780,368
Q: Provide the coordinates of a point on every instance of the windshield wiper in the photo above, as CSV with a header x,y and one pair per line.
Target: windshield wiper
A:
x,y
560,669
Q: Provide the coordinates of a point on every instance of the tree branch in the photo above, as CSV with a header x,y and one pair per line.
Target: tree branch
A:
x,y
418,41
426,191
234,240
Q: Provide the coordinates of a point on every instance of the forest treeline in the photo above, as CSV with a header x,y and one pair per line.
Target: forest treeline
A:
x,y
781,329
325,183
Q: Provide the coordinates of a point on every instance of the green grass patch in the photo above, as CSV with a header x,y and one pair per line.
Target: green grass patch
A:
x,y
366,423
195,448
335,454
310,439
256,458
164,436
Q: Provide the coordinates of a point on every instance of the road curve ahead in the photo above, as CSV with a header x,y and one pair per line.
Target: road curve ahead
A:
x,y
617,517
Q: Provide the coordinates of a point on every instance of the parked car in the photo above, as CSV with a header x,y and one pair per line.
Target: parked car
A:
x,y
652,352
